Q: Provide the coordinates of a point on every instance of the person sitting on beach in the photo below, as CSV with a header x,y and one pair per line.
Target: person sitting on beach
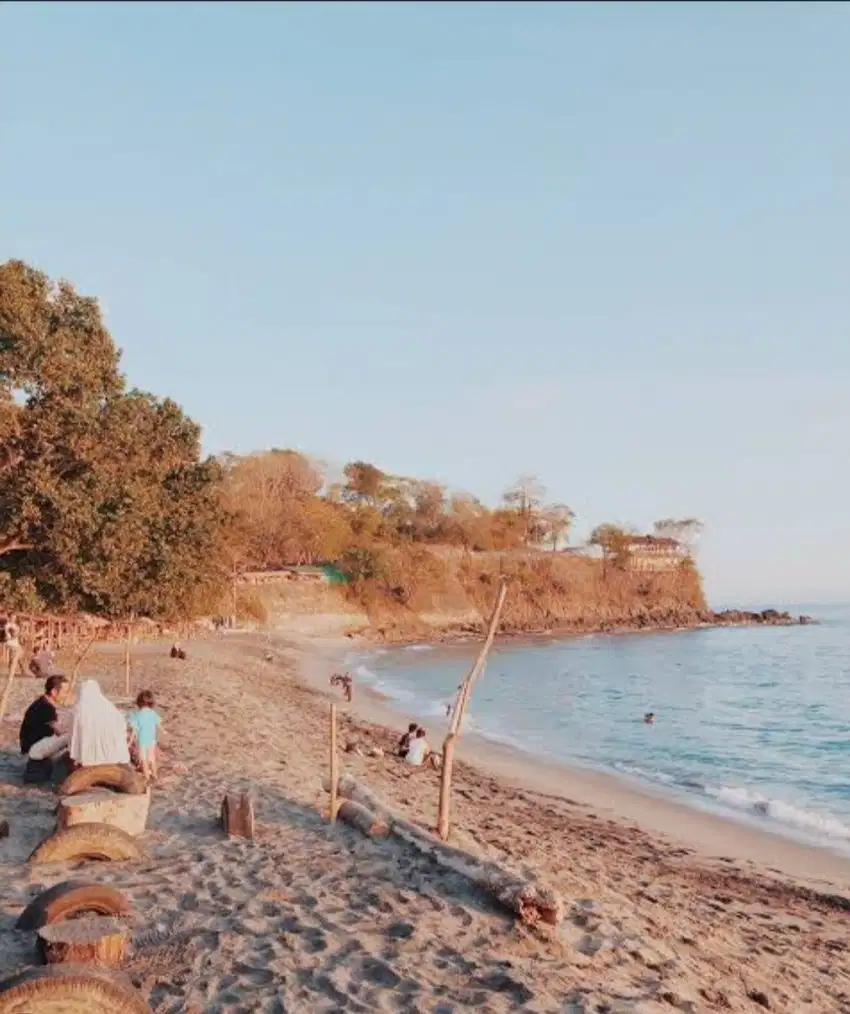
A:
x,y
42,662
404,742
99,733
144,723
41,734
419,754
178,652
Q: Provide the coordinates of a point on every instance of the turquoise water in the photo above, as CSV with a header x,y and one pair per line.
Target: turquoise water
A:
x,y
752,722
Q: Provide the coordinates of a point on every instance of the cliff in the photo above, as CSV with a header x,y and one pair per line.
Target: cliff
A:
x,y
429,594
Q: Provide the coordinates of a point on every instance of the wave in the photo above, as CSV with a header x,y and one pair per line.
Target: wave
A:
x,y
749,802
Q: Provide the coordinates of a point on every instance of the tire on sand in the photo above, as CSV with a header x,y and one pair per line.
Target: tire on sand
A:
x,y
120,777
86,841
69,989
70,899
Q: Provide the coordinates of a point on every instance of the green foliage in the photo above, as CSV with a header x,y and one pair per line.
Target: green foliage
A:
x,y
105,503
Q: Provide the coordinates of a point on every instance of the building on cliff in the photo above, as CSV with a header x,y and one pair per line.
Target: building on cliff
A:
x,y
654,552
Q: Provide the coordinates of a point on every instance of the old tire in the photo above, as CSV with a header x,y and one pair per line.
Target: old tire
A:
x,y
86,841
69,989
120,777
70,899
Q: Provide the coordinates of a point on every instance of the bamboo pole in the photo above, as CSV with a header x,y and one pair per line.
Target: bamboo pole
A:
x,y
78,663
7,690
127,659
464,691
334,765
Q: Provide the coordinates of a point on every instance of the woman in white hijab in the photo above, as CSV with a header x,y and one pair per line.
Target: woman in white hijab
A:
x,y
99,733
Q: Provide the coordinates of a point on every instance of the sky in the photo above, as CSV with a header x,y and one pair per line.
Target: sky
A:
x,y
603,243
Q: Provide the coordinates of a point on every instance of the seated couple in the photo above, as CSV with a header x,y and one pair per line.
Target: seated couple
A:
x,y
95,732
413,748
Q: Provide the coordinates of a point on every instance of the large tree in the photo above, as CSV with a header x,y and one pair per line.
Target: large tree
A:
x,y
105,503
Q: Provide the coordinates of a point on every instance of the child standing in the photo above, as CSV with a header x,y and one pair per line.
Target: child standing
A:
x,y
145,723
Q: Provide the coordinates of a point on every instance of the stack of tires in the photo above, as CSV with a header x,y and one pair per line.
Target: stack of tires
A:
x,y
81,926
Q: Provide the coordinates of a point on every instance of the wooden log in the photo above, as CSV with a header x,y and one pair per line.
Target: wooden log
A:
x,y
237,815
95,940
102,806
531,899
357,815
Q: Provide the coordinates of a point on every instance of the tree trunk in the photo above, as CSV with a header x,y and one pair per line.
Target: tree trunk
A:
x,y
530,899
94,940
237,816
357,815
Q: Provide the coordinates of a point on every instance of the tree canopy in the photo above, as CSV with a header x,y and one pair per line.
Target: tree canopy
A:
x,y
106,503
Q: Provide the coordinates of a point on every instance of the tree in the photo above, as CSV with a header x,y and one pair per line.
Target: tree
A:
x,y
525,498
363,483
555,522
613,540
105,504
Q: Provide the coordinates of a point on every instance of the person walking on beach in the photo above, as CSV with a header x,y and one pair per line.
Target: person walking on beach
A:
x,y
145,724
13,643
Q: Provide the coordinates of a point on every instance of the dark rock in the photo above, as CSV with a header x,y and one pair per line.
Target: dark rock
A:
x,y
759,997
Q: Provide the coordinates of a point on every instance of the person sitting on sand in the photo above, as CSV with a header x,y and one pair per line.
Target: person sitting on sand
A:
x,y
178,652
41,733
42,662
99,733
419,754
404,742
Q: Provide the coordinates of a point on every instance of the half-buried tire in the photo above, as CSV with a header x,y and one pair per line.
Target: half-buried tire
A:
x,y
69,989
70,899
86,841
119,777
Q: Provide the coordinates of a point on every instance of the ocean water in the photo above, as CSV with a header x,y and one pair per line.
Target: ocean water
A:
x,y
751,722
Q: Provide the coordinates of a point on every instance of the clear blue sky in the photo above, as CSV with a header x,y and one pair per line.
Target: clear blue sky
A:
x,y
606,243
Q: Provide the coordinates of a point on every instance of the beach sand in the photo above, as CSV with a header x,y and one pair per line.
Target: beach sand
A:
x,y
667,909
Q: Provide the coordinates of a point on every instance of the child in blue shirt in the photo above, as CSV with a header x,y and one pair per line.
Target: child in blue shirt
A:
x,y
145,723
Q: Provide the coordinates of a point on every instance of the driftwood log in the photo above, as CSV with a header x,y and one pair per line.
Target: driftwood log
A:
x,y
533,901
94,940
237,815
355,814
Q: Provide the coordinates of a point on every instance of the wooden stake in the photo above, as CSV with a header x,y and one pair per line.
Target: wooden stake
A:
x,y
444,816
77,664
4,700
127,659
334,765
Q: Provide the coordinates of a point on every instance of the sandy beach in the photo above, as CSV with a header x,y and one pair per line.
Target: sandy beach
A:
x,y
668,909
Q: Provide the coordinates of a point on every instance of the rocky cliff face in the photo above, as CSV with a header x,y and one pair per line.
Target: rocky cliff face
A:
x,y
446,595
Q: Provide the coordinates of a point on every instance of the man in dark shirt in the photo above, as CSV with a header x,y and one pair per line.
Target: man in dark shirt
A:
x,y
41,717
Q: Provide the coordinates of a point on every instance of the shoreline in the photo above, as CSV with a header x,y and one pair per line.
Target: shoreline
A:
x,y
610,795
471,634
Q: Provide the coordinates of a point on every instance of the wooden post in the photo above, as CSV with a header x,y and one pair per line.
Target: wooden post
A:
x,y
444,816
127,659
334,765
4,700
77,664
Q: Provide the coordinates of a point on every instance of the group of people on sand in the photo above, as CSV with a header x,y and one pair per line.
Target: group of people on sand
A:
x,y
413,748
93,731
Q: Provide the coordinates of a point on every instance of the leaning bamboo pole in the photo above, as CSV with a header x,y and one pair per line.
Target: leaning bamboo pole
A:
x,y
461,702
75,672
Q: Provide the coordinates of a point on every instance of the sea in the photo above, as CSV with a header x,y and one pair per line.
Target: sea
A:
x,y
751,722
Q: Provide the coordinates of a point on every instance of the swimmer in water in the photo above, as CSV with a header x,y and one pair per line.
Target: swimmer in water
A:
x,y
649,718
